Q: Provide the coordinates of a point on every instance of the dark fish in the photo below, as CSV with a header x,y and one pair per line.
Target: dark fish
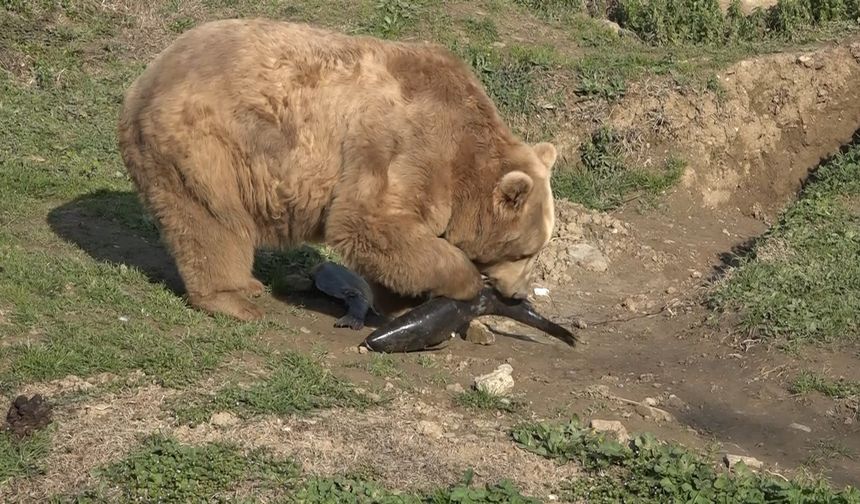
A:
x,y
435,321
341,283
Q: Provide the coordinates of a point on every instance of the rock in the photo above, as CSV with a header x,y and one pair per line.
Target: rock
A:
x,y
676,402
810,62
649,401
498,382
613,426
224,419
732,460
646,378
800,427
455,388
479,333
588,257
363,349
430,429
653,413
304,330
855,51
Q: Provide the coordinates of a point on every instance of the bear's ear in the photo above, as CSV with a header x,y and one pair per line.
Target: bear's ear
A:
x,y
547,154
512,190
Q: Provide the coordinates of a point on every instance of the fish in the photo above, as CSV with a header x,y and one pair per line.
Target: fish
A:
x,y
341,283
439,319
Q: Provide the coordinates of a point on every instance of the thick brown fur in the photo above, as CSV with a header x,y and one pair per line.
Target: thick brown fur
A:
x,y
254,133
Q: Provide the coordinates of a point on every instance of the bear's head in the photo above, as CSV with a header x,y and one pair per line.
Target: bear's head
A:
x,y
516,218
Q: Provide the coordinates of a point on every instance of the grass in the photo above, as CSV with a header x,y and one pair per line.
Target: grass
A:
x,y
295,384
807,382
801,281
20,457
164,470
604,181
672,22
647,470
482,400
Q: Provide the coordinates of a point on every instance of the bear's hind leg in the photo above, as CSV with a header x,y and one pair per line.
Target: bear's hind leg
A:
x,y
215,262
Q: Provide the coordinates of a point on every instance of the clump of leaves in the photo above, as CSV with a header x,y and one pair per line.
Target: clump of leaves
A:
x,y
392,17
647,470
807,382
163,470
603,181
482,400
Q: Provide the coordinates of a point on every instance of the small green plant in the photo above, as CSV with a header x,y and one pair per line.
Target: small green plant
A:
x,y
604,181
807,382
392,17
649,471
163,470
482,400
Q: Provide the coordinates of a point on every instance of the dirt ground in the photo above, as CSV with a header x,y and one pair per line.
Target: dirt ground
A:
x,y
635,277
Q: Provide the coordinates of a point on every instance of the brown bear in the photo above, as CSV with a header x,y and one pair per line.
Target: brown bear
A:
x,y
246,134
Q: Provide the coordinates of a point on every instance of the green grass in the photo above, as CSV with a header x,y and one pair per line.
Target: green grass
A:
x,y
672,22
649,471
807,382
164,470
20,457
801,282
295,383
481,400
604,181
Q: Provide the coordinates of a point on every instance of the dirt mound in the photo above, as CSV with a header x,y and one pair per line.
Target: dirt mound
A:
x,y
749,145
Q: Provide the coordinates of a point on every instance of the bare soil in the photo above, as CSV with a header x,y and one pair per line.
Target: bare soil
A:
x,y
647,333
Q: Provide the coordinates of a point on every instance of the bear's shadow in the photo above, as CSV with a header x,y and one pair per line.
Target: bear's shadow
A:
x,y
112,227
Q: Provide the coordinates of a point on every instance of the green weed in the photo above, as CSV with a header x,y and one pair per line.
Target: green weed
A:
x,y
603,181
801,282
649,471
392,17
807,382
481,400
